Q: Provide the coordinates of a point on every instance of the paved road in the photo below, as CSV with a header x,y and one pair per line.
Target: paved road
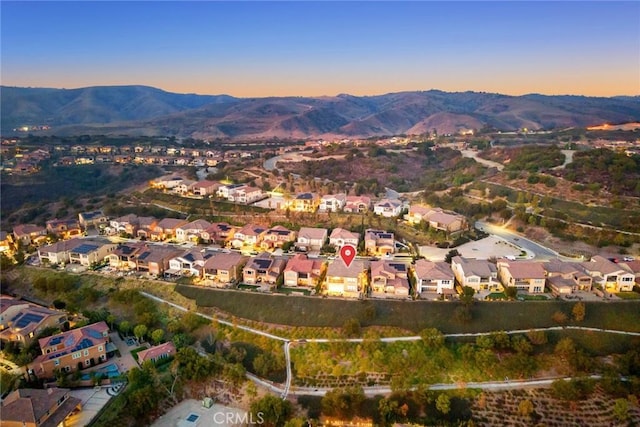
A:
x,y
540,252
474,155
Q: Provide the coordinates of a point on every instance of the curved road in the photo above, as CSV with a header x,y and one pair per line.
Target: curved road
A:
x,y
286,390
540,252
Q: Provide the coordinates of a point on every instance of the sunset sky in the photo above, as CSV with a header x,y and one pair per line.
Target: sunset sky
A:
x,y
255,49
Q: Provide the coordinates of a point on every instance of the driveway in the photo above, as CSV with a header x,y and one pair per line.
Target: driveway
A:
x,y
125,361
93,399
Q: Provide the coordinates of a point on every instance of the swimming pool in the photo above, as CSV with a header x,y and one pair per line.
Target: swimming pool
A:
x,y
110,371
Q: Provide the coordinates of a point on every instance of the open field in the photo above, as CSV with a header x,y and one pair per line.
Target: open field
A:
x,y
410,315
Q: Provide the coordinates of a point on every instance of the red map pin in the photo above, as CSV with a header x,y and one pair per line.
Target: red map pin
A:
x,y
348,254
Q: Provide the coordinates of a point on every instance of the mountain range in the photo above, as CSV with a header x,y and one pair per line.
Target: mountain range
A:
x,y
143,110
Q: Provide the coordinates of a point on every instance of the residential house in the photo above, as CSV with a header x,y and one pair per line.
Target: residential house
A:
x,y
475,273
449,222
166,229
348,282
167,183
27,234
378,242
276,237
27,321
302,271
340,237
633,267
64,228
264,269
124,256
6,241
58,253
388,208
204,188
127,224
31,407
146,225
389,279
611,276
567,277
91,252
154,259
225,191
248,236
357,204
528,276
68,351
184,187
332,202
191,263
417,214
219,232
93,218
223,269
304,202
434,277
192,231
157,353
246,195
311,239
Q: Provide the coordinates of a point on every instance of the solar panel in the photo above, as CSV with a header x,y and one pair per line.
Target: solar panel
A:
x,y
27,319
94,334
56,340
85,249
69,341
262,263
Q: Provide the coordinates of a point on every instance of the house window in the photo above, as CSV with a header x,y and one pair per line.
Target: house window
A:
x,y
67,369
100,348
87,362
57,362
86,352
76,355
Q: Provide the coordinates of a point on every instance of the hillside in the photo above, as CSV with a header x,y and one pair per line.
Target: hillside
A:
x,y
140,110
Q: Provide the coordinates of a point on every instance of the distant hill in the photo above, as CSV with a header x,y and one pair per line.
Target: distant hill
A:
x,y
141,110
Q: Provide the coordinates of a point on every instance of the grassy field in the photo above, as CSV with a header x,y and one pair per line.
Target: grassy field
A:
x,y
409,315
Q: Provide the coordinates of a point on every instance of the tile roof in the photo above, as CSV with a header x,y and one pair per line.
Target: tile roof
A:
x,y
30,405
433,270
73,340
223,261
154,352
524,269
337,268
475,267
312,233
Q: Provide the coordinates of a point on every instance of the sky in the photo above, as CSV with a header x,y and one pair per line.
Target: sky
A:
x,y
257,49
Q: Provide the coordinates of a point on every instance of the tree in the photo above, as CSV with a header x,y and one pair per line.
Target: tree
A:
x,y
272,410
578,311
125,327
621,409
565,348
443,404
559,317
525,408
157,336
432,337
351,327
111,319
450,255
466,297
343,403
511,292
140,331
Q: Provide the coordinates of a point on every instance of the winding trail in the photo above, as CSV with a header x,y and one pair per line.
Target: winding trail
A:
x,y
286,390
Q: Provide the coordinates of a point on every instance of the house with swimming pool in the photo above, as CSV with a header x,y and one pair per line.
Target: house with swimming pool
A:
x,y
73,350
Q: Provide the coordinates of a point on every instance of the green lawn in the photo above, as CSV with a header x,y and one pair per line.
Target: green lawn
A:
x,y
409,315
628,295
